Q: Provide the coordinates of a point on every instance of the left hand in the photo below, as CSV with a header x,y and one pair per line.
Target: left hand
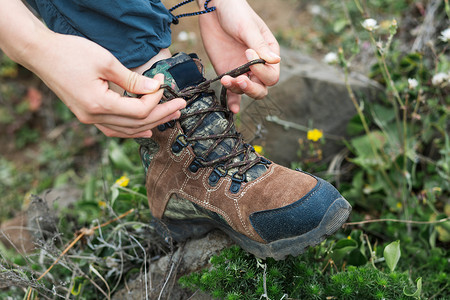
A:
x,y
234,34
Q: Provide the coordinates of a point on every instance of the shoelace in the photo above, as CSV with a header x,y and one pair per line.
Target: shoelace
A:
x,y
190,94
176,17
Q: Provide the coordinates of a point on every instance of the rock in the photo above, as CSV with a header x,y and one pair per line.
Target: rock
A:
x,y
14,233
164,273
62,197
310,94
38,222
41,219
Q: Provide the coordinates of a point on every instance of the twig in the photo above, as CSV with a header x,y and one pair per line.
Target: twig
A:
x,y
265,283
83,232
167,280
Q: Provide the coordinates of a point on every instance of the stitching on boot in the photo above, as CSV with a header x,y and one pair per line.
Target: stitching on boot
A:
x,y
238,210
187,163
205,182
241,193
179,156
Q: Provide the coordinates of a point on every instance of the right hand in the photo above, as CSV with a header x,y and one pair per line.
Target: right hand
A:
x,y
78,71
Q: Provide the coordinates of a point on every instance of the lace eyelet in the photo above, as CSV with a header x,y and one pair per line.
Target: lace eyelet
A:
x,y
265,161
195,165
179,144
236,181
216,174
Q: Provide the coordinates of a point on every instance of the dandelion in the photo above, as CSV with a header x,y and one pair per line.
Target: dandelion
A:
x,y
370,24
412,83
439,78
259,149
314,135
331,58
123,181
445,35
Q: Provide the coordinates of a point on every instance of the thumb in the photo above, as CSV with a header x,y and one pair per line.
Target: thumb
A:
x,y
131,81
255,39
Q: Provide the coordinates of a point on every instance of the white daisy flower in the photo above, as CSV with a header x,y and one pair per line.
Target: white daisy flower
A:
x,y
370,24
412,83
331,58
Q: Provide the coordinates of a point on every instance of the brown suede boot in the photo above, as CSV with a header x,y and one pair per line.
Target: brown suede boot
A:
x,y
201,176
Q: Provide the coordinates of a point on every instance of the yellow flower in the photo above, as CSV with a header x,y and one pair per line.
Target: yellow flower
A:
x,y
123,181
399,205
259,149
349,237
101,204
314,135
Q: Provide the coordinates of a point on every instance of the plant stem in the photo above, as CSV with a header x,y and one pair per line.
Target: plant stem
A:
x,y
366,127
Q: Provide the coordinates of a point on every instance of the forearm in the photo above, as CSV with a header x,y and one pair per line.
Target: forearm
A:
x,y
21,33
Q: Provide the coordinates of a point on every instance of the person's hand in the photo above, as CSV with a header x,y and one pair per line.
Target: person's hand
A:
x,y
234,34
78,71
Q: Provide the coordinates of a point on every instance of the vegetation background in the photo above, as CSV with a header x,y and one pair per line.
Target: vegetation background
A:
x,y
396,173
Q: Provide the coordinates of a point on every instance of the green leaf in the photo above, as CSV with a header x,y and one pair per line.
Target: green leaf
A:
x,y
114,195
357,258
343,247
339,25
363,144
417,293
392,254
76,291
355,126
119,159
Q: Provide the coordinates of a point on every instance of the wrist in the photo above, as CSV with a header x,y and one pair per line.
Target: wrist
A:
x,y
21,33
30,50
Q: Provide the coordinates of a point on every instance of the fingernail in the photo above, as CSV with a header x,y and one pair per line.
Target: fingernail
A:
x,y
250,55
147,134
274,55
227,84
242,84
151,85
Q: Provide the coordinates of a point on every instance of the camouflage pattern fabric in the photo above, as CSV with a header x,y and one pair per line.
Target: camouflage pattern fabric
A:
x,y
214,123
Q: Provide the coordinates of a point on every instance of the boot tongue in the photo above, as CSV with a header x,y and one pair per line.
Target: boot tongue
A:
x,y
181,71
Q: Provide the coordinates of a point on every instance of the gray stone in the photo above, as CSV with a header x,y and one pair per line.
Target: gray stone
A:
x,y
309,94
162,283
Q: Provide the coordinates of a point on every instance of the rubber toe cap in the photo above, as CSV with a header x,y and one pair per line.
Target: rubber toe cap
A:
x,y
299,217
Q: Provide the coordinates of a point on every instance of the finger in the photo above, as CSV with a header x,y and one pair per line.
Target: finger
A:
x,y
111,103
234,102
113,133
231,84
131,132
268,74
129,80
253,88
259,37
159,112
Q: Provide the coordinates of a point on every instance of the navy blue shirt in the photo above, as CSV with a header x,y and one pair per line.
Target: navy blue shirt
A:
x,y
132,30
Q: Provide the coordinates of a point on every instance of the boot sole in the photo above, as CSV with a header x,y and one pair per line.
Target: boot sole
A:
x,y
334,218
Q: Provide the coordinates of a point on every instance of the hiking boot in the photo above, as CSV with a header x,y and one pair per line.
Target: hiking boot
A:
x,y
202,176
